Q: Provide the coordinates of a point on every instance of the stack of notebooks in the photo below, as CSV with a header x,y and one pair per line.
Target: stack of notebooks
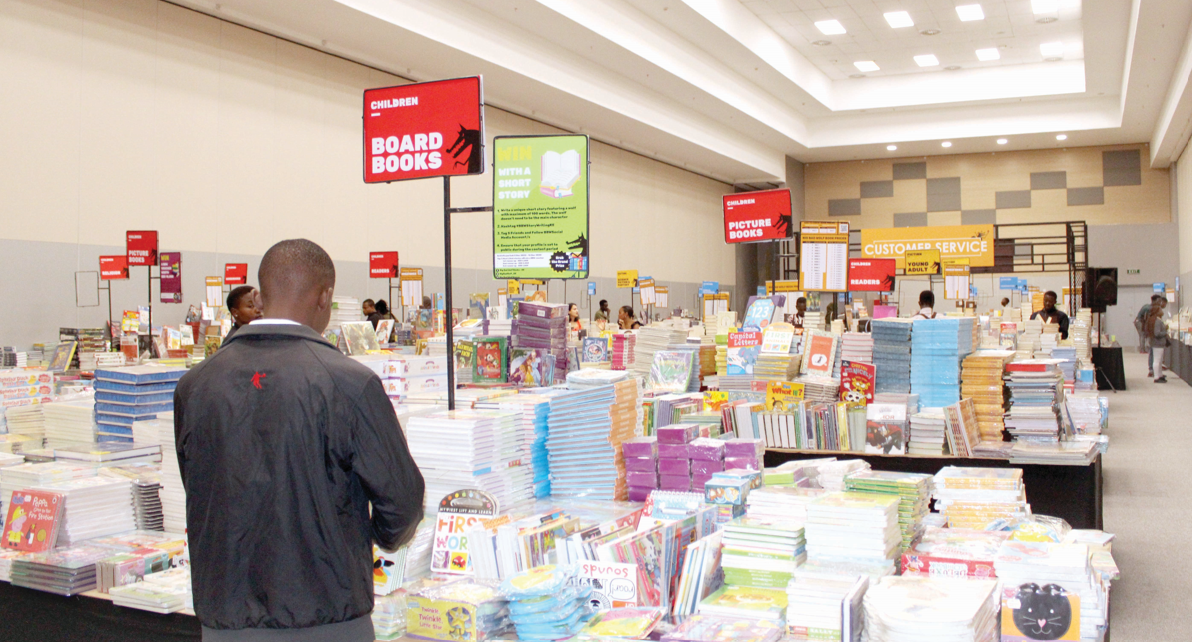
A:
x,y
164,592
146,489
974,497
29,421
485,453
857,346
173,494
587,428
1036,389
64,571
624,345
533,410
651,339
125,395
761,553
21,476
70,422
857,528
927,433
831,474
912,489
825,606
937,346
913,609
1059,576
982,381
892,354
1030,339
819,389
770,503
95,507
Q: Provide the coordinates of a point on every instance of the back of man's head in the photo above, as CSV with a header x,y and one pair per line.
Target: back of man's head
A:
x,y
927,299
297,277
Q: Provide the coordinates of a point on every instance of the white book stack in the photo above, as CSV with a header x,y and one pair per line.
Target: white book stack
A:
x,y
21,476
9,459
165,592
29,421
829,605
832,474
1033,571
173,494
854,528
917,608
781,503
651,339
857,346
95,507
345,309
813,320
480,449
927,433
1030,340
70,422
146,488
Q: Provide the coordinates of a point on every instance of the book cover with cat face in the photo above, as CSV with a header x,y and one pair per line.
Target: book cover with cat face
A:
x,y
1033,612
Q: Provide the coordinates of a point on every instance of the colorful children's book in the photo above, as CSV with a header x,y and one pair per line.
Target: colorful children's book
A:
x,y
33,521
743,349
856,382
783,396
531,367
777,338
595,350
492,362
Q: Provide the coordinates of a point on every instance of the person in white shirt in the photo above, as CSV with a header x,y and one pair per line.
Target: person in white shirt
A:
x,y
926,305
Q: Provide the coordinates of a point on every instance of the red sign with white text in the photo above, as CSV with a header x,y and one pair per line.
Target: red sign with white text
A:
x,y
871,275
141,248
113,268
750,217
382,265
235,273
424,129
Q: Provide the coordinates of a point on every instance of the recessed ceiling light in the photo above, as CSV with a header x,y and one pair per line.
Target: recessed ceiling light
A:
x,y
946,143
927,60
952,68
930,32
1044,6
857,76
969,12
821,43
985,55
899,19
866,65
830,27
1002,141
891,148
1052,49
1046,20
1061,137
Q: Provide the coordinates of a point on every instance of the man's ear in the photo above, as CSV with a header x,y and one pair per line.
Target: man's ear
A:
x,y
256,300
325,297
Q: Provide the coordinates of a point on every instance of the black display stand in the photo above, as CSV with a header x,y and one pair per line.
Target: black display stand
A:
x,y
26,614
1070,492
1111,373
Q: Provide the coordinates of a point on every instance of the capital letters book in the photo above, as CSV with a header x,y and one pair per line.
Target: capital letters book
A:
x,y
743,349
34,518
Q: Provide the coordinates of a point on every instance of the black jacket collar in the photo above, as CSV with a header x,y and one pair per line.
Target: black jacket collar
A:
x,y
277,330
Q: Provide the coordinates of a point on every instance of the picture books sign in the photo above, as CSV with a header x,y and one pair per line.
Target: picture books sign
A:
x,y
540,207
141,247
424,129
751,217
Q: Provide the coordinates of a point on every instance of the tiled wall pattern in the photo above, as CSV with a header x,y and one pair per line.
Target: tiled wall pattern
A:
x,y
1100,185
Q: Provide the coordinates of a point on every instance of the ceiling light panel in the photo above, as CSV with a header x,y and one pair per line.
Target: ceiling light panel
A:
x,y
986,55
899,19
970,12
1052,49
866,65
830,27
927,60
1044,6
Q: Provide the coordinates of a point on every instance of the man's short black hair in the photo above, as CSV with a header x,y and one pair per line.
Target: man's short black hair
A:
x,y
236,294
1156,297
367,302
927,299
1052,295
603,302
802,300
294,267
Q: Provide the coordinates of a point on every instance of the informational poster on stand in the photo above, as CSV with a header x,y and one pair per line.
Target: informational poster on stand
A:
x,y
382,265
171,277
823,256
956,279
920,262
645,287
662,296
235,273
214,291
972,242
141,247
540,207
871,275
411,287
751,217
423,130
113,268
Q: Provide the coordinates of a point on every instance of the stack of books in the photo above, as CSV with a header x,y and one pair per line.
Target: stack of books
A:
x,y
937,346
913,609
542,326
954,552
761,553
746,603
819,389
624,346
892,354
974,497
982,381
825,606
70,422
1078,452
29,421
146,490
927,433
344,309
782,502
164,592
485,453
674,371
651,339
1058,576
587,427
831,475
1036,389
1030,340
533,411
854,528
857,346
64,571
776,366
95,507
129,394
21,476
912,489
172,493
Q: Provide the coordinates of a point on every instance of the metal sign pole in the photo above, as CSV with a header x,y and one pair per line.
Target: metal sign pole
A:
x,y
450,323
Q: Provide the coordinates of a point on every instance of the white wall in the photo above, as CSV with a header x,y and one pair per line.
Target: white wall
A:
x,y
137,114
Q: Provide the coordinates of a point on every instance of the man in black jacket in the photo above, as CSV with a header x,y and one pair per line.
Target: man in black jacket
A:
x,y
284,444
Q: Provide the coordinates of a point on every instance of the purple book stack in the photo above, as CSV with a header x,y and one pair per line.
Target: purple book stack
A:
x,y
641,467
543,326
744,453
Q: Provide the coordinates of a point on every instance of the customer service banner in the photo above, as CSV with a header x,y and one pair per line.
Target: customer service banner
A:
x,y
972,242
540,207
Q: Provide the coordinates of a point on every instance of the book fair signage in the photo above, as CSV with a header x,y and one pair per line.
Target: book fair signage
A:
x,y
750,217
424,129
871,275
540,207
382,265
141,247
235,273
171,277
918,262
626,278
113,268
972,242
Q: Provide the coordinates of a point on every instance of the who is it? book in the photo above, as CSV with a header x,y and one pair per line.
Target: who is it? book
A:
x,y
33,520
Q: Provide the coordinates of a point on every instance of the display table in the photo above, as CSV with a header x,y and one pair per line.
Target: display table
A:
x,y
1178,358
35,615
1111,373
1070,492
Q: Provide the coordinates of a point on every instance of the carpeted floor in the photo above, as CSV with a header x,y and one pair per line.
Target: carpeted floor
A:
x,y
1148,485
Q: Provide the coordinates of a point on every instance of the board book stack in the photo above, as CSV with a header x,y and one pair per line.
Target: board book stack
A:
x,y
486,453
165,592
973,497
954,552
32,475
913,609
854,528
761,553
937,347
892,354
982,381
95,507
132,393
912,489
825,606
64,571
928,430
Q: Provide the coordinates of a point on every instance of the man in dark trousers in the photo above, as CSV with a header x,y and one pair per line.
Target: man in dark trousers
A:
x,y
1052,314
284,445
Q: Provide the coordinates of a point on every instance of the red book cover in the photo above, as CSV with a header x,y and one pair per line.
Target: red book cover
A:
x,y
33,521
1026,367
856,382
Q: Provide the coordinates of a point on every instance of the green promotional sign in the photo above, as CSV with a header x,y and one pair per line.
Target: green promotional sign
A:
x,y
540,207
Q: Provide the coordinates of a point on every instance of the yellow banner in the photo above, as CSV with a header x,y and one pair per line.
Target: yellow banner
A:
x,y
922,262
956,267
782,286
533,282
974,242
626,278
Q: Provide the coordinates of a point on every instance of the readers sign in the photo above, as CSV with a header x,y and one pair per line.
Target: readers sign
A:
x,y
757,216
141,248
922,262
871,275
235,273
540,207
382,265
974,242
423,130
113,268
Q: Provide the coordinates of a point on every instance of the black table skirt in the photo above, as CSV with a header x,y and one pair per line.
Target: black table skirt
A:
x,y
31,615
1111,373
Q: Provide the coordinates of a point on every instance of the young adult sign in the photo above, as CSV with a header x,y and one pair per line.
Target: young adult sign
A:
x,y
235,273
871,275
750,217
171,277
382,265
113,268
141,247
423,130
540,207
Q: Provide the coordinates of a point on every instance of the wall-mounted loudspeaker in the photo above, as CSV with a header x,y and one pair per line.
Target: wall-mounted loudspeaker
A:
x,y
1100,288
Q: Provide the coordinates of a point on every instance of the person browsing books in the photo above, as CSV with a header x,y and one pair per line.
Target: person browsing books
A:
x,y
369,307
243,308
926,305
626,320
1140,319
603,312
573,318
294,465
1051,314
1156,330
800,312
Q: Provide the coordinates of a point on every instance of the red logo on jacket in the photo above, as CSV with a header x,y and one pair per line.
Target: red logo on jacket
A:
x,y
256,380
